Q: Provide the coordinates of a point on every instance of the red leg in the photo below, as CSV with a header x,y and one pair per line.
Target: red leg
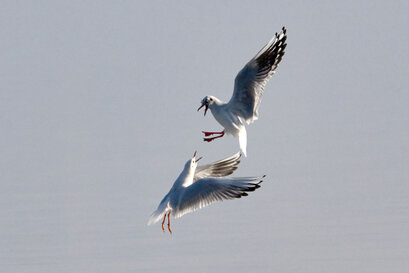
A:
x,y
163,222
212,133
169,222
213,138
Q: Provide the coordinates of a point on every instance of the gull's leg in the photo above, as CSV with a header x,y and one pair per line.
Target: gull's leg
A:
x,y
169,222
212,133
163,222
213,138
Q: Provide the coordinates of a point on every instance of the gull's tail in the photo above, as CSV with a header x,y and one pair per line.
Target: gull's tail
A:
x,y
159,212
243,140
155,217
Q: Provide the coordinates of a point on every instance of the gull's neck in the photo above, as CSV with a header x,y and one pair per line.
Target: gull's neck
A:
x,y
217,105
185,178
217,102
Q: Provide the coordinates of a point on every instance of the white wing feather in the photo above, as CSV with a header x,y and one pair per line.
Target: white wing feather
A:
x,y
219,168
209,190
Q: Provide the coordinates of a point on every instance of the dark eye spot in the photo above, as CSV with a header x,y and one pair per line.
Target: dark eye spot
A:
x,y
211,99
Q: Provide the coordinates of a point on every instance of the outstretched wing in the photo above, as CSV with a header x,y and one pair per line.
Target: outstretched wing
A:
x,y
250,81
209,190
219,168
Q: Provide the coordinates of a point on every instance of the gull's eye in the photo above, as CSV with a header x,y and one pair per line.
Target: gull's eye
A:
x,y
211,99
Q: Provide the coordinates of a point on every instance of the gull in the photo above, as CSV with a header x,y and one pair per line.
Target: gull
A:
x,y
197,187
248,90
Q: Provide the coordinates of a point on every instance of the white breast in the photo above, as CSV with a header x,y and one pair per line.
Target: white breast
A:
x,y
231,123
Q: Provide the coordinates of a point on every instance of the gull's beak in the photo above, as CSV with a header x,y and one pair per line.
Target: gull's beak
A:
x,y
207,107
194,155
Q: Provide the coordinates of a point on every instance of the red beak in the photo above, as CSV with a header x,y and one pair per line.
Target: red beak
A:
x,y
207,107
194,155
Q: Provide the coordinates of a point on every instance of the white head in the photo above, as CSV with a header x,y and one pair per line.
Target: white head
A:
x,y
208,102
192,163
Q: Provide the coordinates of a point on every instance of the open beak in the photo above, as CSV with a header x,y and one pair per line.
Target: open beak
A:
x,y
207,107
194,155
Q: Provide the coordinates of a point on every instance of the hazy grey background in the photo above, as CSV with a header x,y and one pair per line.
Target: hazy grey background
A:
x,y
98,115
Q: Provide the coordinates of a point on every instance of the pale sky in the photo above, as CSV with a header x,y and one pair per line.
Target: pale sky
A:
x,y
98,115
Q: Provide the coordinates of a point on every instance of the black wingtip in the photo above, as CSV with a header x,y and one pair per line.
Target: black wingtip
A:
x,y
261,181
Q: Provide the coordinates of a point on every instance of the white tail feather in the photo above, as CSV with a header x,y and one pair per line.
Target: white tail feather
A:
x,y
243,140
160,211
155,217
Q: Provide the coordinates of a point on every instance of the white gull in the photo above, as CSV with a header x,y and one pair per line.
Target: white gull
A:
x,y
248,90
197,187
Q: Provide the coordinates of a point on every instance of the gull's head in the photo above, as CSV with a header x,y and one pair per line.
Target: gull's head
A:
x,y
208,102
192,163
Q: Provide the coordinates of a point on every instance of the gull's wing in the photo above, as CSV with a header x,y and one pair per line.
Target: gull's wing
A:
x,y
249,83
209,190
219,168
